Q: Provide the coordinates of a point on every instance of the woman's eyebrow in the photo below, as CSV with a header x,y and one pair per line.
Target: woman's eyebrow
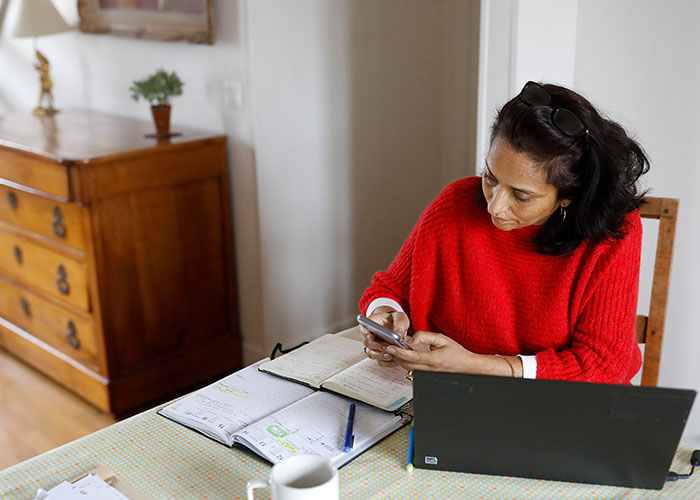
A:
x,y
520,190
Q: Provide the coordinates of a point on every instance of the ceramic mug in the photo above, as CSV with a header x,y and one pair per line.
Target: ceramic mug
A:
x,y
301,477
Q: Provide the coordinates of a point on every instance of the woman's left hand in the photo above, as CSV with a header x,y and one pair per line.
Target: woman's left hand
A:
x,y
445,354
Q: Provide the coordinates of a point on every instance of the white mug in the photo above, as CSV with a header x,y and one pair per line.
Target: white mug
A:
x,y
301,477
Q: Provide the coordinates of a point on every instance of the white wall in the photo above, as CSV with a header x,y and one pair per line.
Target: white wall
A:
x,y
355,132
519,41
635,59
356,113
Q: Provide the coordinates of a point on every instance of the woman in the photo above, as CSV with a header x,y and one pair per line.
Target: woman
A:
x,y
533,270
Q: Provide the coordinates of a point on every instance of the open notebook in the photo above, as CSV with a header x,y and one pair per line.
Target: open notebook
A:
x,y
277,418
337,363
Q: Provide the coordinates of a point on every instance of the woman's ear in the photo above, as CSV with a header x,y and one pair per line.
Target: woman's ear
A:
x,y
564,203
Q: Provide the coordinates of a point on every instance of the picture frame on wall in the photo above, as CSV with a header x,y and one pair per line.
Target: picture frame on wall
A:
x,y
166,20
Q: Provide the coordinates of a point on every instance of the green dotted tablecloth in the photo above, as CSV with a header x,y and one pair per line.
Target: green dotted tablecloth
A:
x,y
165,460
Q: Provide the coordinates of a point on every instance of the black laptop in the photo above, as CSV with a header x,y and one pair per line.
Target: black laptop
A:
x,y
568,431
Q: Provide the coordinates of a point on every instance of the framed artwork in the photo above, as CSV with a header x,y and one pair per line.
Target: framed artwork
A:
x,y
166,20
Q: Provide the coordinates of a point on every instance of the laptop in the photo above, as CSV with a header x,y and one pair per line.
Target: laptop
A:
x,y
567,431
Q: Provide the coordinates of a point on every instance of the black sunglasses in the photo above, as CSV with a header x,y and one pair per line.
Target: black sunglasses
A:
x,y
534,94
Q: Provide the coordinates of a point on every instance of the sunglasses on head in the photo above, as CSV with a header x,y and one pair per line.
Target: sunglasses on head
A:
x,y
534,94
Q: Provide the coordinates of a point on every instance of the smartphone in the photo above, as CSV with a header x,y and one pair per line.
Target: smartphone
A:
x,y
383,332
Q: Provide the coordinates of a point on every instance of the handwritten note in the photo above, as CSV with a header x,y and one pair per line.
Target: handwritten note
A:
x,y
378,385
319,360
234,402
316,425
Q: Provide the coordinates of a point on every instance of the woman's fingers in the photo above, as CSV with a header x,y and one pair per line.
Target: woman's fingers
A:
x,y
432,339
375,348
443,354
395,321
399,322
384,358
406,355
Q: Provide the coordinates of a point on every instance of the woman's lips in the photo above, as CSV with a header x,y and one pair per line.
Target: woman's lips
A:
x,y
499,220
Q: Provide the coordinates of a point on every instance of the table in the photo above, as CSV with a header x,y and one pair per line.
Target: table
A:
x,y
165,460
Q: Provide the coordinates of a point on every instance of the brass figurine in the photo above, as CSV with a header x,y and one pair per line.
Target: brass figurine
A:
x,y
46,84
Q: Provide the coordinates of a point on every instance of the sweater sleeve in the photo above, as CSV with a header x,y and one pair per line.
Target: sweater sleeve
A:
x,y
604,345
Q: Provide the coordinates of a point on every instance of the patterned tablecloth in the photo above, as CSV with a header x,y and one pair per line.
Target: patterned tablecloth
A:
x,y
167,461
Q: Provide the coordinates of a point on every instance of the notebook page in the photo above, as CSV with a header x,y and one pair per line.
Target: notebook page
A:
x,y
232,403
316,425
385,387
318,360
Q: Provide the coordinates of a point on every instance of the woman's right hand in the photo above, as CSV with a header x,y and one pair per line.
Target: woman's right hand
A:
x,y
393,320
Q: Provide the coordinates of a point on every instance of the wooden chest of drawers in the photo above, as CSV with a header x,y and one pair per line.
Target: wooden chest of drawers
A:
x,y
116,256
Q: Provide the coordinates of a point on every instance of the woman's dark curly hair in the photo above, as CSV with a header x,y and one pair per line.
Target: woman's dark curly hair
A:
x,y
597,171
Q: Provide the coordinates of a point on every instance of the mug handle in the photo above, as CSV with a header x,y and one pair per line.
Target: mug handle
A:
x,y
255,483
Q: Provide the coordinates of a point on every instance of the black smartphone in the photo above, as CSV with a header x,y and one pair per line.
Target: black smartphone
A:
x,y
383,332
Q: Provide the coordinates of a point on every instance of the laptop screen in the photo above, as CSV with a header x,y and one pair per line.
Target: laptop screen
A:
x,y
569,431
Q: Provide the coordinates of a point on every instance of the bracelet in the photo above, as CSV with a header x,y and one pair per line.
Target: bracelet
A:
x,y
510,365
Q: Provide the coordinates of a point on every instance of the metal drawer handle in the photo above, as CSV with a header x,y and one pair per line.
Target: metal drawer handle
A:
x,y
25,306
59,227
18,254
12,198
72,335
62,280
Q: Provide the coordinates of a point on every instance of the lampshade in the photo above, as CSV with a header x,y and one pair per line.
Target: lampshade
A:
x,y
37,18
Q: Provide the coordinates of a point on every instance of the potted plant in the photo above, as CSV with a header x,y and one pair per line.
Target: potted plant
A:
x,y
158,89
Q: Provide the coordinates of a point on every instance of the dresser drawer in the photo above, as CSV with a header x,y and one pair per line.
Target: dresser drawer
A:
x,y
58,366
45,176
43,269
71,333
53,219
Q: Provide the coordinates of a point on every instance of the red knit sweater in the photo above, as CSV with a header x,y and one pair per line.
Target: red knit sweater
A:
x,y
492,292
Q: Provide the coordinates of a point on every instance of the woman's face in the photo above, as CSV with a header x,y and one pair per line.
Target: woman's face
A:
x,y
515,188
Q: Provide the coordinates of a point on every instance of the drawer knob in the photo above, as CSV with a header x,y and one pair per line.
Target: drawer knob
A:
x,y
12,198
25,306
62,280
18,254
72,335
59,227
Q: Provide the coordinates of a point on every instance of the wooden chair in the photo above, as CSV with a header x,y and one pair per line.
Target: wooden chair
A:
x,y
650,329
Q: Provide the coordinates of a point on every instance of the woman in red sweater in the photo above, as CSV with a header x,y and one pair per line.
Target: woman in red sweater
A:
x,y
531,270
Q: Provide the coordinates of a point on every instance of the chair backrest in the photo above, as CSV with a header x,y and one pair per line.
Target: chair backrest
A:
x,y
650,329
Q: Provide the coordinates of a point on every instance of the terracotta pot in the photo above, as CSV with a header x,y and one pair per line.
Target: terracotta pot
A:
x,y
161,117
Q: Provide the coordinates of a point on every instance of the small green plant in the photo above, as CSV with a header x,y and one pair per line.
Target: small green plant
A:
x,y
157,88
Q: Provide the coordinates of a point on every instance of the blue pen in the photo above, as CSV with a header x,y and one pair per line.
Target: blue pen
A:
x,y
349,437
409,462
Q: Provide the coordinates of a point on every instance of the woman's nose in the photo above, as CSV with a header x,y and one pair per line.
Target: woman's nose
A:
x,y
499,203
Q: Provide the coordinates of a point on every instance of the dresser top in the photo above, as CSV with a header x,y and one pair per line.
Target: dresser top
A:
x,y
82,136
